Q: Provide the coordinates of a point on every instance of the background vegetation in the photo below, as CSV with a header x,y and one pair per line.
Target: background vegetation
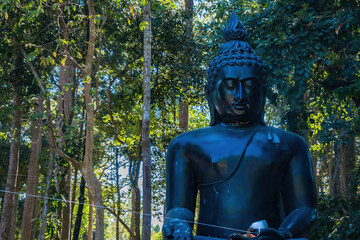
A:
x,y
72,117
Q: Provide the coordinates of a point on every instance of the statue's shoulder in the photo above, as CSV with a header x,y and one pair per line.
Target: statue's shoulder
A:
x,y
277,135
192,137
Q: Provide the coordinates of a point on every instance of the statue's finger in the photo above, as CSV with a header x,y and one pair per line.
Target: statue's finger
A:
x,y
183,238
269,232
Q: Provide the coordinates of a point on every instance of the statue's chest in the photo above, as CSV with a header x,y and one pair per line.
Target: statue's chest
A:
x,y
240,155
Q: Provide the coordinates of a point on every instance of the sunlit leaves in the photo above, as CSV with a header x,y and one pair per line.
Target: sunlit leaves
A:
x,y
143,25
63,61
78,55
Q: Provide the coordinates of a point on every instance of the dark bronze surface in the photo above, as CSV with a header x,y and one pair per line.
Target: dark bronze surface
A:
x,y
211,238
245,171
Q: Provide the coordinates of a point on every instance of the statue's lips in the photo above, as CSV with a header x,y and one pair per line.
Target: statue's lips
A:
x,y
241,106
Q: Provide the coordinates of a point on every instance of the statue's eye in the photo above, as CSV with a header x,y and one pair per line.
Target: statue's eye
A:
x,y
249,84
229,83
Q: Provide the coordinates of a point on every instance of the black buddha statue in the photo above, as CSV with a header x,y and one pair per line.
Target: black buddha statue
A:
x,y
245,171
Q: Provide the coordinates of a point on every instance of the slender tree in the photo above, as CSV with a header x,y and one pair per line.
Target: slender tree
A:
x,y
46,194
135,198
79,213
117,179
66,102
87,166
14,213
8,202
184,106
90,233
33,172
145,131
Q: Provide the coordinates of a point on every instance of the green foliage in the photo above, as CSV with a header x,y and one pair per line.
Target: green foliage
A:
x,y
156,235
177,58
338,218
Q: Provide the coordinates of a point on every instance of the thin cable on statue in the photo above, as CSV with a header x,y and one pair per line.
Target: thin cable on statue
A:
x,y
99,206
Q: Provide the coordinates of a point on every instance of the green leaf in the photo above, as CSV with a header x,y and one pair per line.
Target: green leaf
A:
x,y
31,56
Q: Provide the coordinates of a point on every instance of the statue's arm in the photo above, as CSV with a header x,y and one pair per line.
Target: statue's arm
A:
x,y
181,192
299,192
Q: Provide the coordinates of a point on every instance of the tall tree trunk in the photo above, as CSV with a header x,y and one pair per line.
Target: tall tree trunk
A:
x,y
334,175
11,179
117,177
135,216
81,199
33,178
65,104
66,210
145,131
73,198
87,170
91,216
135,199
14,215
183,113
189,8
80,211
346,158
184,106
68,86
46,194
34,226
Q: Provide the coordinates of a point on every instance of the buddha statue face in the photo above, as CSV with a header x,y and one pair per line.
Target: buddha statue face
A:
x,y
236,87
238,95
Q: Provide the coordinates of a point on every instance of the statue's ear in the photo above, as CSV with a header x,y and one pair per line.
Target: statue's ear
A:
x,y
211,108
212,114
262,113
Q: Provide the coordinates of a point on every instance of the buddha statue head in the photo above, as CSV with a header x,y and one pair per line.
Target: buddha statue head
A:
x,y
236,86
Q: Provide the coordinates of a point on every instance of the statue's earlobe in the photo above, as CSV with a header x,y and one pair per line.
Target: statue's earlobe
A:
x,y
212,114
211,108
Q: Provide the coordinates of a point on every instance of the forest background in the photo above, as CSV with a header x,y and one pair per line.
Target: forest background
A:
x,y
79,113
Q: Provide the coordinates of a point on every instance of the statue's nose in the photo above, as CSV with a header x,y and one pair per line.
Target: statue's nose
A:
x,y
240,93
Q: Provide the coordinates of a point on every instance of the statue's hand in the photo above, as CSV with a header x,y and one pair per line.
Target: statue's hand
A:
x,y
177,229
266,234
274,234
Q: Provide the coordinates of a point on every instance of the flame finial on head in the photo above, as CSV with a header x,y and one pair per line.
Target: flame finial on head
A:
x,y
235,29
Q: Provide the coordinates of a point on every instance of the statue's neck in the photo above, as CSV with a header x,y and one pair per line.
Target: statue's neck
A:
x,y
258,120
237,124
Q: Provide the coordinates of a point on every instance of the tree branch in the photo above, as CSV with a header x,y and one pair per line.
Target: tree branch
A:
x,y
121,221
53,140
63,24
48,119
98,64
76,64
